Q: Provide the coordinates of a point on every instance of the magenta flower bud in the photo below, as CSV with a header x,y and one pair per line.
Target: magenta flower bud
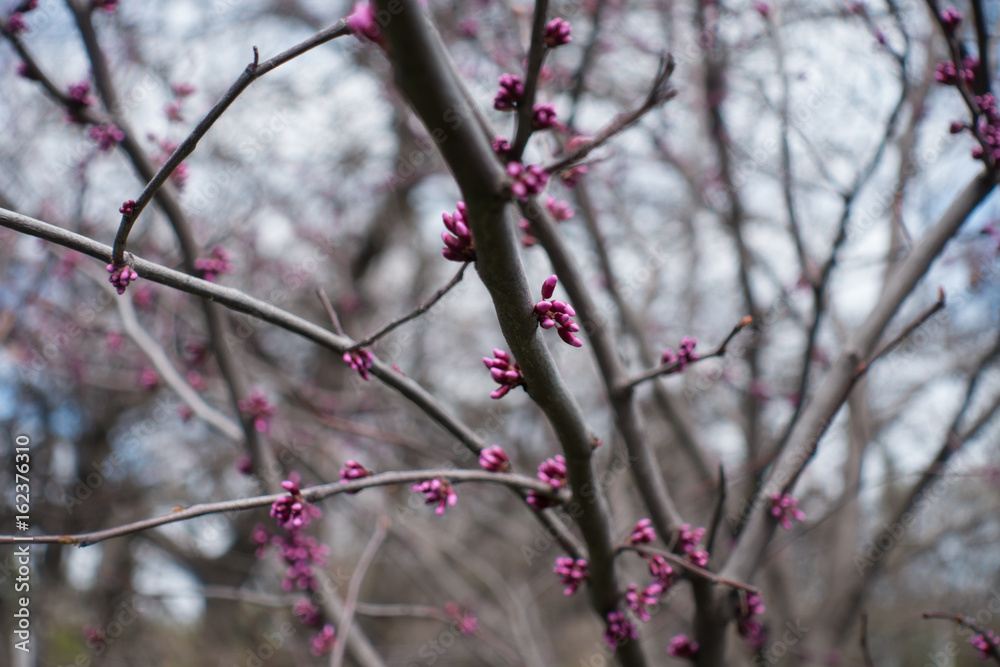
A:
x,y
16,24
439,491
557,33
950,18
459,246
501,146
682,647
560,210
569,338
618,630
363,23
503,372
785,508
543,307
643,533
549,286
688,539
543,116
572,573
259,409
494,459
956,126
359,361
510,94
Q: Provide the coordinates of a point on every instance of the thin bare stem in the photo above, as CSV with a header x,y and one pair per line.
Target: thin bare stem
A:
x,y
334,320
659,93
866,653
420,310
312,494
691,568
354,587
666,369
963,620
252,72
526,107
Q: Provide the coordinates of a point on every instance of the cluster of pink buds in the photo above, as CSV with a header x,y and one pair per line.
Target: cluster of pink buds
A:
x,y
682,647
505,373
79,93
259,409
501,146
219,262
78,98
985,644
323,641
948,74
683,356
494,459
619,630
106,136
557,33
557,314
639,601
528,180
950,18
553,472
661,570
688,539
458,245
121,276
559,209
643,533
543,116
989,126
749,627
572,573
510,94
363,23
109,6
360,361
16,25
308,613
466,621
301,553
698,558
292,511
785,508
127,207
353,470
439,491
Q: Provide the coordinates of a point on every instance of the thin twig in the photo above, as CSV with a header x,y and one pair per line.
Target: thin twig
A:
x,y
659,93
907,330
962,619
526,107
253,71
720,508
691,568
665,369
330,311
354,587
420,310
312,494
866,654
